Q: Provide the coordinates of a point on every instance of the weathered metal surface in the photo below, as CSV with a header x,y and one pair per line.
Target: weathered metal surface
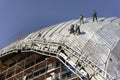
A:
x,y
97,48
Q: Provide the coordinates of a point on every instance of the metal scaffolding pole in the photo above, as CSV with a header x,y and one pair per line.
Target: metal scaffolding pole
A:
x,y
24,67
34,66
46,69
6,73
15,69
60,72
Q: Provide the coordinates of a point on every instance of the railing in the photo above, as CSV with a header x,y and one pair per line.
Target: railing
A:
x,y
75,61
27,68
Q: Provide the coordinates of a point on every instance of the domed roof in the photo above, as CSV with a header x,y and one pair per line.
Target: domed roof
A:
x,y
98,41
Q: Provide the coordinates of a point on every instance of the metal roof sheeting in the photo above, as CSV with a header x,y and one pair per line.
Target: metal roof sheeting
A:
x,y
100,42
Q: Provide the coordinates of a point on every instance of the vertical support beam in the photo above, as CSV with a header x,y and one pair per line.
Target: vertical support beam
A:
x,y
35,61
24,67
6,73
15,70
60,71
34,66
46,68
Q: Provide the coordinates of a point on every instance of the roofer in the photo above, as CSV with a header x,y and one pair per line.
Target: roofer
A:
x,y
71,29
77,29
94,15
81,18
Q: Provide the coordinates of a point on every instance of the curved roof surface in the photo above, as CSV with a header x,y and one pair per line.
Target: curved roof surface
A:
x,y
98,41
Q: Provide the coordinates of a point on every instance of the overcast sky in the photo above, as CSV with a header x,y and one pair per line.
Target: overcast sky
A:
x,y
20,17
